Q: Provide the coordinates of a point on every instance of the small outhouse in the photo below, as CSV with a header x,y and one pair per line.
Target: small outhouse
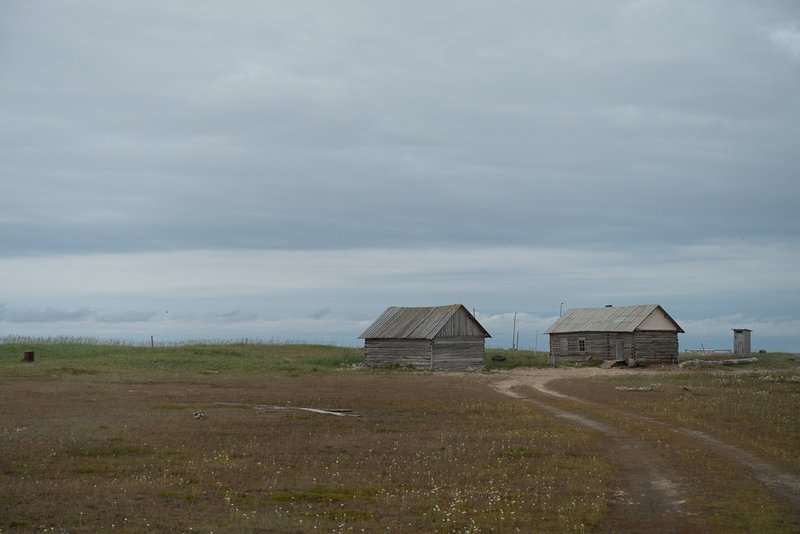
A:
x,y
741,342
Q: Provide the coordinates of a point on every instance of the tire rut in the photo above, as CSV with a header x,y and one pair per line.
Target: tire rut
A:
x,y
652,493
781,483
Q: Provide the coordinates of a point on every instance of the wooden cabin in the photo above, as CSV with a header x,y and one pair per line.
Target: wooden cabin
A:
x,y
636,334
436,338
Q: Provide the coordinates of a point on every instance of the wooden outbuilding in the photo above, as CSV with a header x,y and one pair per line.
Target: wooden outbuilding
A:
x,y
436,338
741,342
636,334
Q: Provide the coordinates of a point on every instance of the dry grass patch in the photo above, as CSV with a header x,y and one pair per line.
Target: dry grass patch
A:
x,y
742,409
754,409
428,453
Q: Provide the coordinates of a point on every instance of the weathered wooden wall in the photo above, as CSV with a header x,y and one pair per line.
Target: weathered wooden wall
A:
x,y
656,347
403,352
647,347
449,353
460,325
599,345
458,353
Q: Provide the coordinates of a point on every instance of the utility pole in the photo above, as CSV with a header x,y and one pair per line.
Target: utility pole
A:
x,y
514,333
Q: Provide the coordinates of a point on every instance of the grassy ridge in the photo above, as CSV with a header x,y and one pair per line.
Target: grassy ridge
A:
x,y
79,355
86,355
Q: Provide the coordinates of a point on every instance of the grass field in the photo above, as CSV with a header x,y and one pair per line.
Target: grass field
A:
x,y
103,437
54,355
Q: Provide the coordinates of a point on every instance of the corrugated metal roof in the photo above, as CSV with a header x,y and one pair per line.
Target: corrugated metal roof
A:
x,y
608,319
399,322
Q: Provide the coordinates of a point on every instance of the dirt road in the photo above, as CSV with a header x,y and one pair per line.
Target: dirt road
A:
x,y
652,488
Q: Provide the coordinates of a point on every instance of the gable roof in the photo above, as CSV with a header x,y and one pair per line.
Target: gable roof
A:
x,y
399,322
613,319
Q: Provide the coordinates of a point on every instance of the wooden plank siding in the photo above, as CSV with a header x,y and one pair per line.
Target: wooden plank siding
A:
x,y
402,352
656,346
597,345
458,353
461,324
448,353
647,347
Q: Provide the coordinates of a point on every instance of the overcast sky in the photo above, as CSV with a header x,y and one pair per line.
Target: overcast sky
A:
x,y
287,170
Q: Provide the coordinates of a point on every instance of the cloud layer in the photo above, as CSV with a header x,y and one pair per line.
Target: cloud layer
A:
x,y
331,160
332,295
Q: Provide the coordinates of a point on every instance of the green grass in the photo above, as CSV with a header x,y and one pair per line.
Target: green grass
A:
x,y
88,356
76,356
766,360
82,356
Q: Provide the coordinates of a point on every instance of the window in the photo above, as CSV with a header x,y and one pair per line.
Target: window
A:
x,y
581,345
564,346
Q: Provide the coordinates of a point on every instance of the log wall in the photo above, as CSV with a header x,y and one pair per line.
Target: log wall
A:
x,y
403,352
598,345
458,354
449,354
652,347
647,347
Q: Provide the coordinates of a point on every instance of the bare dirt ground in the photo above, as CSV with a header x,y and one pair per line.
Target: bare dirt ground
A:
x,y
653,487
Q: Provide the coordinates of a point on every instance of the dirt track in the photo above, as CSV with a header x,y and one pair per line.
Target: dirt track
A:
x,y
653,487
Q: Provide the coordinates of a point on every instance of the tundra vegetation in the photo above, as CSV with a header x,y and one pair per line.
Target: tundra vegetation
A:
x,y
99,436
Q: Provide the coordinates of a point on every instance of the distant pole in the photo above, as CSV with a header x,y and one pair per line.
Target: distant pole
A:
x,y
536,344
514,333
152,343
561,309
517,340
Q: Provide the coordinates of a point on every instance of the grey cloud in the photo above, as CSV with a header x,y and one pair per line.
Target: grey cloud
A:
x,y
48,315
370,126
237,316
13,314
787,39
125,317
321,313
